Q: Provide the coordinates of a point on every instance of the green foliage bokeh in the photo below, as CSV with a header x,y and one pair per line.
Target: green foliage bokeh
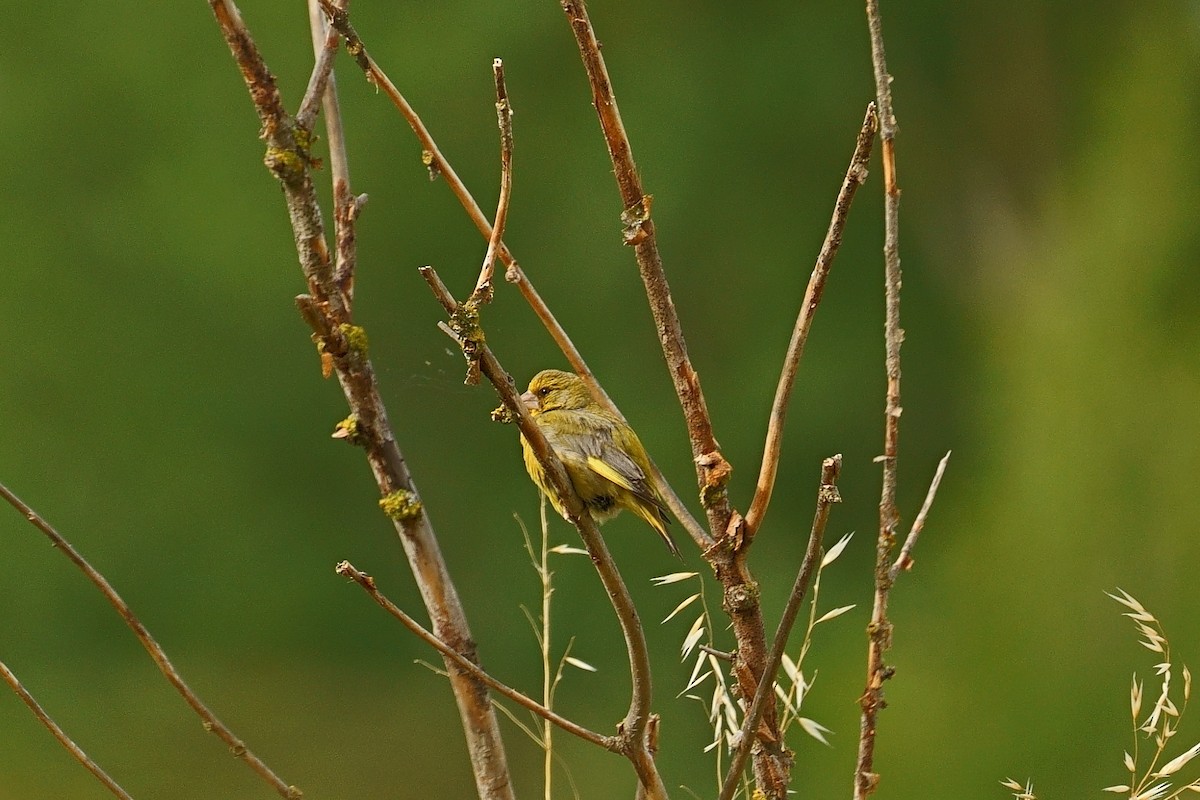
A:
x,y
162,404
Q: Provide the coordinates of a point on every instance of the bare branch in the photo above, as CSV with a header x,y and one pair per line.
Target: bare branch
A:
x,y
715,653
727,555
439,166
483,287
325,47
712,470
904,561
856,174
827,495
346,206
345,568
236,746
633,731
343,347
880,629
75,750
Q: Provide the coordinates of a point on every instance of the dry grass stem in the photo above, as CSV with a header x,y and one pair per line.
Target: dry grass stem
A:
x,y
1156,779
75,750
856,175
236,746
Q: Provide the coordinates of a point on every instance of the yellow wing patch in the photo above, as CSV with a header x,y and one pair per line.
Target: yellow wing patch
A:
x,y
604,470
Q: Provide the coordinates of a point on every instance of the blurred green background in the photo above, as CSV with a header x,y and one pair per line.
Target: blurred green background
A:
x,y
162,404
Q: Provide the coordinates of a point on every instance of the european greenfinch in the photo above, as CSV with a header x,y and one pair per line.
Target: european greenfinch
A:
x,y
602,455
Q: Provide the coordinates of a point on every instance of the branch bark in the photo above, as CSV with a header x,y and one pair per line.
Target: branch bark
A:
x,y
367,583
711,468
879,632
740,593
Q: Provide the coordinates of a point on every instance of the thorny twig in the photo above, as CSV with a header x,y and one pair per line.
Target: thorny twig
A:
x,y
236,746
75,750
904,561
346,206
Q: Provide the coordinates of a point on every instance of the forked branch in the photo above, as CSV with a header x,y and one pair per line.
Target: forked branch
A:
x,y
879,632
827,495
343,348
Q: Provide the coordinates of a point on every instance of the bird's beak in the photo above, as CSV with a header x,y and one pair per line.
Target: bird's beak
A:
x,y
530,401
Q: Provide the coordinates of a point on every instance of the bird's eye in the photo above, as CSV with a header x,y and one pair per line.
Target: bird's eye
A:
x,y
542,392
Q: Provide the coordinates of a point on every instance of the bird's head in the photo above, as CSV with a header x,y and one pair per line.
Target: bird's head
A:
x,y
553,389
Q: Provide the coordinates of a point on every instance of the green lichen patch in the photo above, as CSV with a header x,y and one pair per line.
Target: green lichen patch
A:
x,y
401,505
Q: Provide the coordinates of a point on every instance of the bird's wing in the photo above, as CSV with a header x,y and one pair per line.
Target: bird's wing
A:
x,y
604,458
617,466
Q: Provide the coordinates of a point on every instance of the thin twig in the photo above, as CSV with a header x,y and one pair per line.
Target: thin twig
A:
x,y
325,47
827,495
236,746
715,653
880,629
75,750
856,174
346,569
483,287
904,561
343,348
439,166
632,741
346,206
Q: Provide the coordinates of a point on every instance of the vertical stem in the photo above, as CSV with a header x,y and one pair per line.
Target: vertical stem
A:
x,y
879,631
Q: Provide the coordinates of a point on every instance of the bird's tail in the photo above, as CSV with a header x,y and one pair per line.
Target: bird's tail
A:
x,y
658,519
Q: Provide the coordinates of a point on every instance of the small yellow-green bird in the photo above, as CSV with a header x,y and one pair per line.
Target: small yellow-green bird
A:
x,y
603,457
